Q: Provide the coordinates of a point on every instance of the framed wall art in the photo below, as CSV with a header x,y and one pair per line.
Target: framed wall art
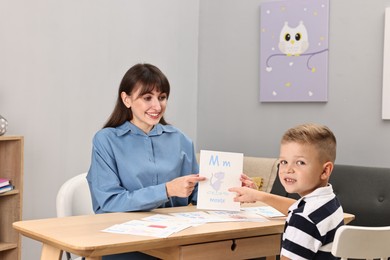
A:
x,y
294,51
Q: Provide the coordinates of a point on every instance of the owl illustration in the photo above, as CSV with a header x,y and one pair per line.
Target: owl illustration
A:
x,y
293,41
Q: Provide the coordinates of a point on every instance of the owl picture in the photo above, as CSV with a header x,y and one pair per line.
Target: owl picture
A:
x,y
293,41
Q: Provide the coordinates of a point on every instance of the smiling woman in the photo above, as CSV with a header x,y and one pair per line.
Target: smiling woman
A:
x,y
139,162
140,81
147,109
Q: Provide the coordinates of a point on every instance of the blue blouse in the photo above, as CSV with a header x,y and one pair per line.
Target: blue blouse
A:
x,y
129,168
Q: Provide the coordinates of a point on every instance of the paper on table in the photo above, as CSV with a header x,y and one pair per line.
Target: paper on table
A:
x,y
199,217
147,228
222,171
266,211
161,225
179,218
245,216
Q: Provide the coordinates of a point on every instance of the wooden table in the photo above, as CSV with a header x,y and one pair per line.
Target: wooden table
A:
x,y
82,236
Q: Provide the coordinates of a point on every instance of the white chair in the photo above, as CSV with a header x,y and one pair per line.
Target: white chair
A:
x,y
74,198
361,242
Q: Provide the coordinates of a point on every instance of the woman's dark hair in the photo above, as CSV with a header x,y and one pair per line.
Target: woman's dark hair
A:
x,y
146,76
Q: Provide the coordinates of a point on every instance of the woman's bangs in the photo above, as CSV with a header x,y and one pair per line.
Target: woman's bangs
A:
x,y
156,86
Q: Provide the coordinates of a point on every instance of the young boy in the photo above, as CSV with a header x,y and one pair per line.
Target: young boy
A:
x,y
307,155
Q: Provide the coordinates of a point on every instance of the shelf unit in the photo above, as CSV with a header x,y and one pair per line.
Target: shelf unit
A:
x,y
11,167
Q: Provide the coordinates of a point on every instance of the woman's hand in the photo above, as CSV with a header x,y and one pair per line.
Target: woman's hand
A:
x,y
183,186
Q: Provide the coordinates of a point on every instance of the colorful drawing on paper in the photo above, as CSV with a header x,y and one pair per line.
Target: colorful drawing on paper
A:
x,y
294,51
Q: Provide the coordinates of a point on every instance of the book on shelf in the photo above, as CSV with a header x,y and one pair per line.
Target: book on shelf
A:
x,y
4,182
6,188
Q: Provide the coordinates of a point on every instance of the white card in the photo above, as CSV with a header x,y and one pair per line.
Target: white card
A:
x,y
222,171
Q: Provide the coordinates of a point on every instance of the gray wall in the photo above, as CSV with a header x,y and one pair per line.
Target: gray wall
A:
x,y
230,117
60,67
61,63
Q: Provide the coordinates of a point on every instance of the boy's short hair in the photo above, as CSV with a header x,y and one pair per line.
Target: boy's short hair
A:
x,y
314,134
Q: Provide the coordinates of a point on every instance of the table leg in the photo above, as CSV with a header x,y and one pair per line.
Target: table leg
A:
x,y
50,253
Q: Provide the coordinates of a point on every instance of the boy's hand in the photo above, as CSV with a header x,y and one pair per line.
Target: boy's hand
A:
x,y
248,182
244,194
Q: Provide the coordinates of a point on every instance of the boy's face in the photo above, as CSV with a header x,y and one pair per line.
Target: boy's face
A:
x,y
301,169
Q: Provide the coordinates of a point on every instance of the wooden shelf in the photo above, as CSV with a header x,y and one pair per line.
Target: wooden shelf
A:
x,y
11,192
11,167
7,246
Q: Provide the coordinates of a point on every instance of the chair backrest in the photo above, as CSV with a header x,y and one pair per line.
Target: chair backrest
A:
x,y
261,167
361,242
363,191
74,198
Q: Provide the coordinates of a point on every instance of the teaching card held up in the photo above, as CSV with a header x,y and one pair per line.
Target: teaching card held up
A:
x,y
222,171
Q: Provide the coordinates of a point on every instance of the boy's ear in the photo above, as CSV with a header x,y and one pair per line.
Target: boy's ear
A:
x,y
327,170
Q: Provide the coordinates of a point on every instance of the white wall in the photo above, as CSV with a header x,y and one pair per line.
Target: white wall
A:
x,y
230,117
60,67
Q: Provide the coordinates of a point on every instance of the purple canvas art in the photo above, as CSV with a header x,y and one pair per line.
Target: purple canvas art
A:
x,y
294,51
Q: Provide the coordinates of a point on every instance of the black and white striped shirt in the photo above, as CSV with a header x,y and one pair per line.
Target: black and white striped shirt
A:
x,y
311,224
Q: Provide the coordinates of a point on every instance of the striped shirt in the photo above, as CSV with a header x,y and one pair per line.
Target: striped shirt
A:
x,y
311,224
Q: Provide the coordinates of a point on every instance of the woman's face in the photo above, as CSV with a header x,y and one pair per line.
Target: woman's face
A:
x,y
147,109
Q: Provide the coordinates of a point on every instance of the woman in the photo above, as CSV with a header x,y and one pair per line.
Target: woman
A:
x,y
139,162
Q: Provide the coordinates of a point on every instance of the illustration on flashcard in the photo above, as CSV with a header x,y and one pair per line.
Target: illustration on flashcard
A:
x,y
294,51
216,180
